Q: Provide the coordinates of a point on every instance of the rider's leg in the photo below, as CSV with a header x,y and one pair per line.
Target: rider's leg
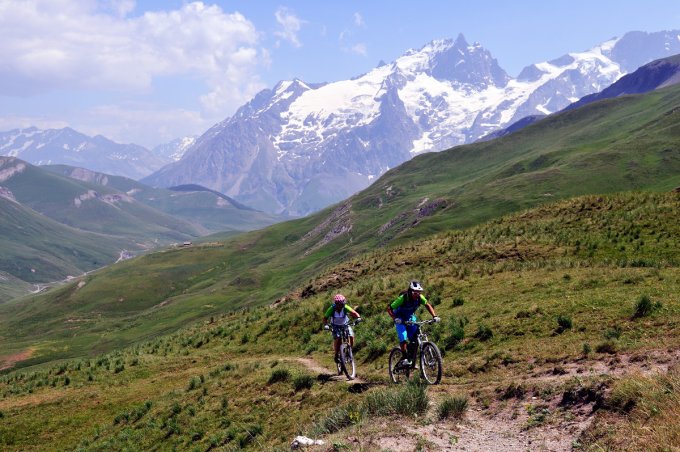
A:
x,y
351,341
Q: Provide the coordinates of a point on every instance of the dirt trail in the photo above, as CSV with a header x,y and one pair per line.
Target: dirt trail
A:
x,y
324,374
514,424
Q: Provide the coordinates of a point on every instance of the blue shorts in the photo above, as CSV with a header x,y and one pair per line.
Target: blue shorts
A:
x,y
337,331
406,332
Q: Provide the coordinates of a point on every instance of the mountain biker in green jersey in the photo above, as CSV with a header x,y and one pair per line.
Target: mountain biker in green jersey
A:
x,y
403,309
337,313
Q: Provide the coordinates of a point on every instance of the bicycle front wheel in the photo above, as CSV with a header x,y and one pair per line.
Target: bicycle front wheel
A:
x,y
398,373
430,363
347,361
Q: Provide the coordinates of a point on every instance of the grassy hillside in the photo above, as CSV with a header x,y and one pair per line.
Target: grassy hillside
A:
x,y
36,249
91,207
625,143
544,313
12,287
212,211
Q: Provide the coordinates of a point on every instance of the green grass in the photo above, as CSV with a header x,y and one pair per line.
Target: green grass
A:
x,y
205,384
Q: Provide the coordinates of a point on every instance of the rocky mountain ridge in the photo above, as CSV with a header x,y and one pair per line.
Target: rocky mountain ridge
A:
x,y
69,147
299,147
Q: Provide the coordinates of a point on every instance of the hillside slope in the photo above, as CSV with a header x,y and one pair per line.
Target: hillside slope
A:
x,y
209,210
543,333
36,249
620,144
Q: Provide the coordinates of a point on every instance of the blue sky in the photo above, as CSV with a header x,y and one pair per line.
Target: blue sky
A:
x,y
147,71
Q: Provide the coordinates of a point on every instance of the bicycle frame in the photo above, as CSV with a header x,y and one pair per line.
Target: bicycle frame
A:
x,y
426,353
346,355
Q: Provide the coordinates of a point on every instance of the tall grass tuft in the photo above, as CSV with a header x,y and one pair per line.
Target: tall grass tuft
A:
x,y
410,400
303,382
563,323
452,407
644,307
279,375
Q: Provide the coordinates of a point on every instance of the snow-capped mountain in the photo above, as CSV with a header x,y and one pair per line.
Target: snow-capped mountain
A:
x,y
175,149
68,147
300,147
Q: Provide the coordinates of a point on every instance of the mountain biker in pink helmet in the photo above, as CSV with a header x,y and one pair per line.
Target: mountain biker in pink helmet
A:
x,y
337,313
403,309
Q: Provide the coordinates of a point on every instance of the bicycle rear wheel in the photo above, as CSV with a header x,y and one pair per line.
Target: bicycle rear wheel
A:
x,y
347,361
430,363
397,372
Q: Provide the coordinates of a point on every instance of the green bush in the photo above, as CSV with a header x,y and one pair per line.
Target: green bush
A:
x,y
587,349
612,333
303,382
452,406
456,333
563,323
644,307
407,401
458,302
483,333
279,375
337,419
606,347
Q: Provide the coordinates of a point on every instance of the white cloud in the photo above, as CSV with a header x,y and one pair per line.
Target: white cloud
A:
x,y
147,125
48,45
290,25
24,122
359,20
120,8
359,49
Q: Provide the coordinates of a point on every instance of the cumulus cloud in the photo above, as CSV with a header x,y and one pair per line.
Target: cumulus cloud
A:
x,y
290,26
48,45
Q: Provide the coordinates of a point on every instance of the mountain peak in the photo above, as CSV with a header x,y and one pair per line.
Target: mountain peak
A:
x,y
461,42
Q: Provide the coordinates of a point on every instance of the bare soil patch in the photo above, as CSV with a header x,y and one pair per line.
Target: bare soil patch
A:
x,y
9,361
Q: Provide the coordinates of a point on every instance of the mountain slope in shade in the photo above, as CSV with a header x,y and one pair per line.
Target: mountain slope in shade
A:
x,y
299,147
90,207
208,210
37,249
66,146
657,74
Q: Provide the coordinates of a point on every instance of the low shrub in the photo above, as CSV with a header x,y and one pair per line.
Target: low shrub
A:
x,y
279,375
563,323
409,400
606,347
452,407
337,419
644,307
483,333
456,334
303,382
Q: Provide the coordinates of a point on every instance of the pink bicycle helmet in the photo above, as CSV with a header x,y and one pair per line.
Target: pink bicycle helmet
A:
x,y
340,298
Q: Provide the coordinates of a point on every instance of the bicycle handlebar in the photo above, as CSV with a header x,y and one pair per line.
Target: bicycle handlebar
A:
x,y
346,324
421,322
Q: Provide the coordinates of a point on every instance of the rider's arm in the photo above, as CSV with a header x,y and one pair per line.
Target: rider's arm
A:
x,y
428,306
327,315
394,305
352,311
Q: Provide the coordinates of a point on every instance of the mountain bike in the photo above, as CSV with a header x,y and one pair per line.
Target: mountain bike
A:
x,y
346,363
428,354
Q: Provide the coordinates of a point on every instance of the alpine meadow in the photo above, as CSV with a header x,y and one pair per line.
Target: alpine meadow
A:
x,y
551,254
